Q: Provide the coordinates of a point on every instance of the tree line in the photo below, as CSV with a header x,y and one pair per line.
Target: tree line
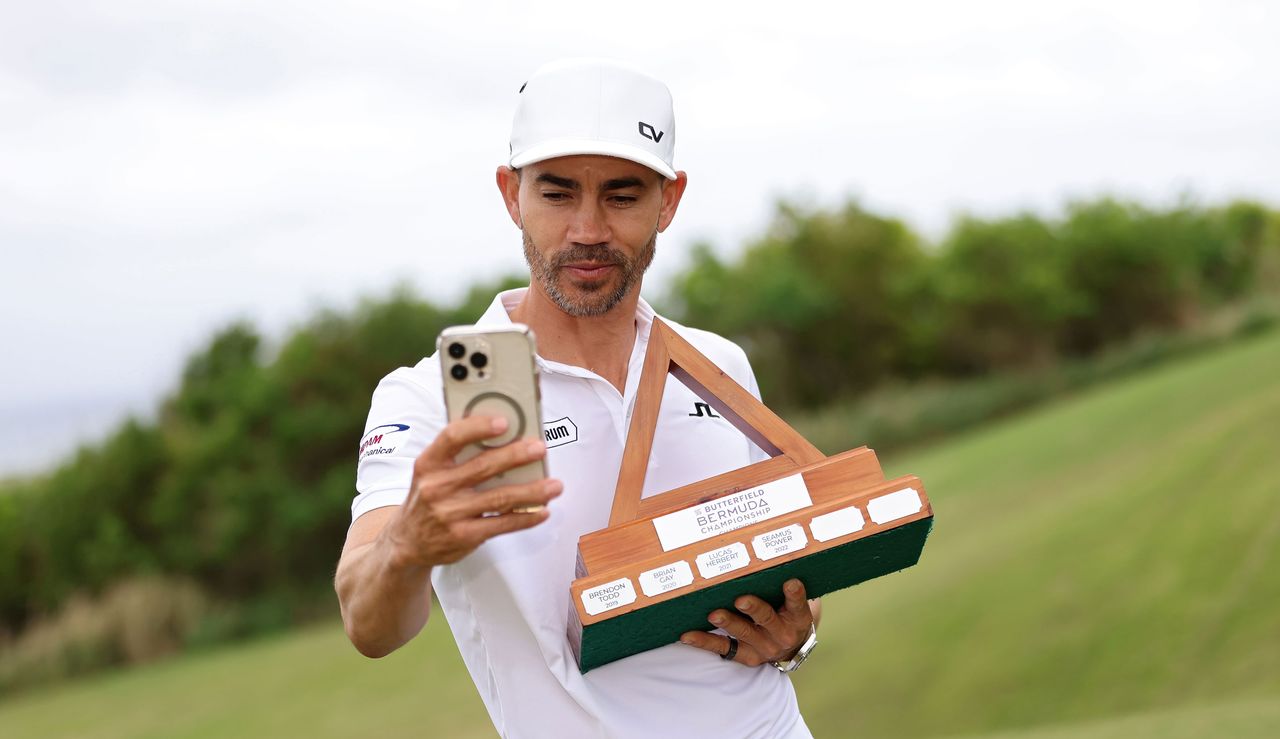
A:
x,y
242,480
832,303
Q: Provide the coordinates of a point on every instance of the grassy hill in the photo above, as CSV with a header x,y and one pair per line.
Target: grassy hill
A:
x,y
1112,554
1102,567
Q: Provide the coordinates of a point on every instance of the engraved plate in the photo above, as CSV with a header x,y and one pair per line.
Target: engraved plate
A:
x,y
725,559
836,524
777,543
893,506
608,596
666,578
733,511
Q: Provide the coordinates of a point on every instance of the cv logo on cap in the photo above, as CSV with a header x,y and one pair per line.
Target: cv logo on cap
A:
x,y
648,132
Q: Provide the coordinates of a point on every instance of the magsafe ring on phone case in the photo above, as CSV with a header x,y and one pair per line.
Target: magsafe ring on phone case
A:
x,y
497,404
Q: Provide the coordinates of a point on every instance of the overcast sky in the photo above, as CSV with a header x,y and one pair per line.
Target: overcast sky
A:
x,y
167,167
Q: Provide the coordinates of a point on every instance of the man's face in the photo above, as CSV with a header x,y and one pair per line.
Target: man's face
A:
x,y
590,225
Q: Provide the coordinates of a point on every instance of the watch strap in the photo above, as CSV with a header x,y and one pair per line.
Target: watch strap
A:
x,y
802,654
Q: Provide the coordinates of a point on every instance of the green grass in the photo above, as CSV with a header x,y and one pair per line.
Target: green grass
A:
x,y
1256,718
1105,566
309,684
1113,554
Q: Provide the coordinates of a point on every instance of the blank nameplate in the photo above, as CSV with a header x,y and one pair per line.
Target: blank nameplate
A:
x,y
893,506
836,524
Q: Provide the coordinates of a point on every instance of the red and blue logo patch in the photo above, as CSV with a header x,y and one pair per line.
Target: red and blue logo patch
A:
x,y
381,440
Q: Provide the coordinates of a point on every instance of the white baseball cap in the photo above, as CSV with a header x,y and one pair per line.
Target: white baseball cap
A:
x,y
594,106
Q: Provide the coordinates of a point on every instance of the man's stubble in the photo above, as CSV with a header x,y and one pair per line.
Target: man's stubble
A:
x,y
595,298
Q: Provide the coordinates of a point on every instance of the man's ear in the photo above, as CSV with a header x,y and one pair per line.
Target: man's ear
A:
x,y
509,185
672,191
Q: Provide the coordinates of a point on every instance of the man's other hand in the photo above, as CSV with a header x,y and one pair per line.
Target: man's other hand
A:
x,y
764,635
445,518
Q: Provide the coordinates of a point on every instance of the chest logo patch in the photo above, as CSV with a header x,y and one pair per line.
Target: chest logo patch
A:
x,y
384,439
702,410
559,432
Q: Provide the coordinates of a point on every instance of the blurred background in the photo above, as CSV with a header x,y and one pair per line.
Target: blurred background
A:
x,y
1030,253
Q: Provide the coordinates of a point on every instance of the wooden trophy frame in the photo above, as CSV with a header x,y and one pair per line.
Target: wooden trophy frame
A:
x,y
665,562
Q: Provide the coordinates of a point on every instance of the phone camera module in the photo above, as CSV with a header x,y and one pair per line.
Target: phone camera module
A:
x,y
456,350
459,371
479,360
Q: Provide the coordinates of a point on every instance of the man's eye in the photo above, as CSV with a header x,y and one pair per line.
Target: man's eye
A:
x,y
555,196
623,199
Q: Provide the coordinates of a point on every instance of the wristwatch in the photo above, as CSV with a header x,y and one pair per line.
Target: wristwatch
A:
x,y
805,650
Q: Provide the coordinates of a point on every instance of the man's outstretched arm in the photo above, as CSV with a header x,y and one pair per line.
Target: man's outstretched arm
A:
x,y
384,574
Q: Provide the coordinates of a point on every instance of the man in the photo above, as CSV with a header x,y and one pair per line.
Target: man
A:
x,y
590,184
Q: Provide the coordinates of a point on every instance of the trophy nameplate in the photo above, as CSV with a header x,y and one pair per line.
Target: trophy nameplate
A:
x,y
664,563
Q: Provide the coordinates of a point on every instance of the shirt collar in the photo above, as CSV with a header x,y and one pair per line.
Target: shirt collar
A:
x,y
499,314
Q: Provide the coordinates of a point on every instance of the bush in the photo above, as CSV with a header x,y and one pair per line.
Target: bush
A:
x,y
243,483
903,415
1005,290
832,303
134,621
826,303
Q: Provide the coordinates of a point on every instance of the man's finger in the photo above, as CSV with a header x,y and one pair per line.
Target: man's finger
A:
x,y
757,610
490,526
796,604
493,461
736,625
504,499
454,437
714,643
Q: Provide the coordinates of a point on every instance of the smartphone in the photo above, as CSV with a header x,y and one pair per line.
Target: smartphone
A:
x,y
491,371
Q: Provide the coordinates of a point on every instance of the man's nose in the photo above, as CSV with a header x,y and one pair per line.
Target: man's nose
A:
x,y
589,225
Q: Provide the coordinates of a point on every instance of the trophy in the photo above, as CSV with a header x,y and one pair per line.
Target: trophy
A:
x,y
665,562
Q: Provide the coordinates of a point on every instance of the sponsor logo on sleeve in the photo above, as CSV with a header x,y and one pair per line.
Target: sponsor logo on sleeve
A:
x,y
559,432
384,439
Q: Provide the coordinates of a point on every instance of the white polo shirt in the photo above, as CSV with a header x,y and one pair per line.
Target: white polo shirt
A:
x,y
507,602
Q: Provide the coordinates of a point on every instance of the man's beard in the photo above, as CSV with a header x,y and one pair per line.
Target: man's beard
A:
x,y
593,298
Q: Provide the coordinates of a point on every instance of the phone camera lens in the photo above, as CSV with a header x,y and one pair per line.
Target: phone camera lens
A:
x,y
459,372
456,350
479,360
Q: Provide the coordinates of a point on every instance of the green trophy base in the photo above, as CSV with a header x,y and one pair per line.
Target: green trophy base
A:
x,y
823,572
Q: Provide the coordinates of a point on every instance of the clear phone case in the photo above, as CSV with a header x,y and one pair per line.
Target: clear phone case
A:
x,y
491,371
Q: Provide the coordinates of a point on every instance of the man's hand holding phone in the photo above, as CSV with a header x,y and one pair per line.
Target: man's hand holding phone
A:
x,y
383,579
445,517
